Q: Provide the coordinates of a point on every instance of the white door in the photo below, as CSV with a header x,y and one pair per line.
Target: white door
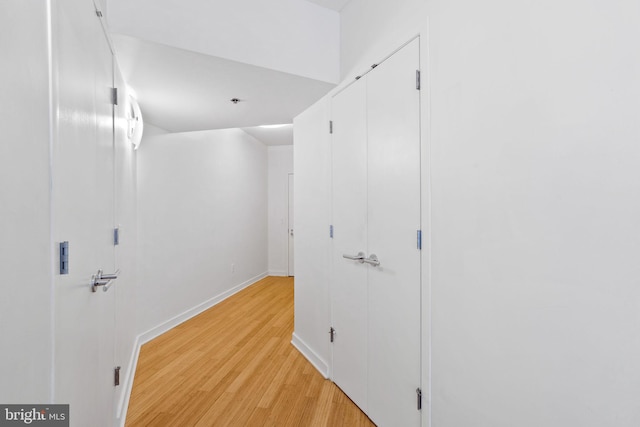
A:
x,y
349,211
290,226
393,106
105,245
83,213
376,212
125,220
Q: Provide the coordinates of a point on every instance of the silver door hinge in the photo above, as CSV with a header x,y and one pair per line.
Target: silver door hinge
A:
x,y
64,257
332,334
418,79
330,126
419,393
419,238
114,95
116,376
331,231
116,236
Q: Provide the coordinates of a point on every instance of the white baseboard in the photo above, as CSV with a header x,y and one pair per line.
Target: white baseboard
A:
x,y
155,332
123,405
183,317
279,273
311,356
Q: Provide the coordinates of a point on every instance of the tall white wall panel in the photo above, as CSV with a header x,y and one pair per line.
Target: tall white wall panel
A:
x,y
534,149
312,195
203,219
25,226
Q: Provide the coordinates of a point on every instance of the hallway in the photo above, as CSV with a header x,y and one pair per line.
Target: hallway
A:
x,y
234,365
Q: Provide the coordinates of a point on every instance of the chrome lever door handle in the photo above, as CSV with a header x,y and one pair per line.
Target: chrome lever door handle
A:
x,y
373,260
96,281
111,276
104,280
359,257
106,287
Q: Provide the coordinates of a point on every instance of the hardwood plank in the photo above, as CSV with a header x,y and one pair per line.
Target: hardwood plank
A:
x,y
234,365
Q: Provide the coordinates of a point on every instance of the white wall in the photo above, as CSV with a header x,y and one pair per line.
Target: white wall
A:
x,y
202,208
280,160
292,36
372,29
312,202
25,254
530,182
535,174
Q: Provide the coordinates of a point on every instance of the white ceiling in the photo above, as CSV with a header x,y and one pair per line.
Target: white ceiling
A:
x,y
293,36
186,60
182,91
336,5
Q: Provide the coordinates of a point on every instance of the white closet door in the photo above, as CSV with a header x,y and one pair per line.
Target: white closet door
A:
x,y
104,245
125,218
349,278
83,214
393,105
376,211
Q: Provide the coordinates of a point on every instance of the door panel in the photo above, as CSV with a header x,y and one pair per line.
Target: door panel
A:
x,y
83,213
290,226
125,251
376,210
349,278
106,201
393,221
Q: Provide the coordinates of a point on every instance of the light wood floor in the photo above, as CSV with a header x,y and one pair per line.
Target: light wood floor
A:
x,y
234,365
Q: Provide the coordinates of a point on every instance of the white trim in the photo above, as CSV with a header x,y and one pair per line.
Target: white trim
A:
x,y
155,332
352,79
181,318
123,405
310,355
52,224
278,273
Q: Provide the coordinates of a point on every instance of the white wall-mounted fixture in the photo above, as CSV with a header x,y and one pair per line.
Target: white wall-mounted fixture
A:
x,y
135,125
